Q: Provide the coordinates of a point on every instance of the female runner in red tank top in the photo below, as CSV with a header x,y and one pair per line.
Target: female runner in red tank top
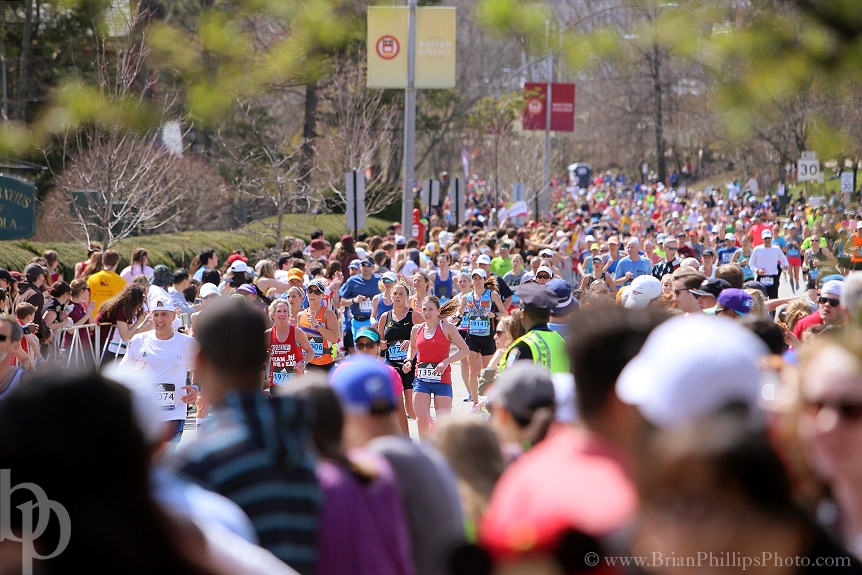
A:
x,y
430,343
288,347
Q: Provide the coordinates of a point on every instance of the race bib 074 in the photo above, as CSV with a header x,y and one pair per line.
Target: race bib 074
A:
x,y
165,396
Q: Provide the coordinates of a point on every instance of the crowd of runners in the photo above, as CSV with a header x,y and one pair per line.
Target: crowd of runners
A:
x,y
649,372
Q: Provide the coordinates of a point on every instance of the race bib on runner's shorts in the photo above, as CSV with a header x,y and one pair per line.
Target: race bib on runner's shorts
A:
x,y
395,352
480,326
425,371
165,396
767,281
365,307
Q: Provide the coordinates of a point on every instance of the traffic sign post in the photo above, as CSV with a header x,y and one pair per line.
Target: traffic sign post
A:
x,y
459,204
808,168
430,195
355,201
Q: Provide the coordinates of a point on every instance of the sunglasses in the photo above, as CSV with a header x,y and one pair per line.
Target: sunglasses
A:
x,y
679,291
389,281
830,300
848,410
3,337
543,277
366,265
370,345
315,291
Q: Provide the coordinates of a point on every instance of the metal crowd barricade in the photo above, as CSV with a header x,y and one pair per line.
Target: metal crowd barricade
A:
x,y
74,352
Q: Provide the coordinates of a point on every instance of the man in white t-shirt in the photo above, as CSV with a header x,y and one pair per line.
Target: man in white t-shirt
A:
x,y
167,357
765,260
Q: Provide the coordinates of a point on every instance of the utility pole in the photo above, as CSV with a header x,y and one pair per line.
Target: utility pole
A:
x,y
409,125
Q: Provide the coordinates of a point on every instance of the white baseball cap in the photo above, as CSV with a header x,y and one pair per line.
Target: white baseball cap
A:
x,y
483,259
643,290
833,288
208,289
730,237
859,225
162,304
766,234
239,266
479,272
547,252
545,269
693,366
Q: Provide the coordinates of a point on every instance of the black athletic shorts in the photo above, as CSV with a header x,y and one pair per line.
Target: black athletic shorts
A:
x,y
483,344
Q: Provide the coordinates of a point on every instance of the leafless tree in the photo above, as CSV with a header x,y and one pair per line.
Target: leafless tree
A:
x,y
354,131
261,148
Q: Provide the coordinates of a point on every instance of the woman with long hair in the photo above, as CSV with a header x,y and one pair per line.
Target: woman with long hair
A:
x,y
395,327
120,318
430,343
478,306
288,348
55,314
421,281
265,279
442,279
462,282
320,324
139,266
81,266
81,313
91,266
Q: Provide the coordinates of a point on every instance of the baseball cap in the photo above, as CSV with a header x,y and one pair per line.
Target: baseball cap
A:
x,y
766,234
590,238
234,257
361,253
729,237
735,299
595,247
295,274
859,225
613,240
319,285
363,385
545,269
546,253
833,288
247,288
479,272
537,296
162,304
669,239
390,276
691,367
400,240
33,271
660,238
643,290
208,290
239,266
754,284
709,252
5,275
712,287
524,388
431,248
566,302
369,333
317,245
354,265
483,260
161,276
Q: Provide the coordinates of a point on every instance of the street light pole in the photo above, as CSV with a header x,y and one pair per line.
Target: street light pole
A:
x,y
546,168
409,125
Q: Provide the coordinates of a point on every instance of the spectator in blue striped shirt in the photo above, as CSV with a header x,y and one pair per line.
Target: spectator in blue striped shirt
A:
x,y
258,453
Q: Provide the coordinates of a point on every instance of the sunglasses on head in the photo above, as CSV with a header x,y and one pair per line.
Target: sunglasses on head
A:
x,y
830,300
847,410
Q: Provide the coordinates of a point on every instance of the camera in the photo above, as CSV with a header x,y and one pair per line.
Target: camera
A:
x,y
25,329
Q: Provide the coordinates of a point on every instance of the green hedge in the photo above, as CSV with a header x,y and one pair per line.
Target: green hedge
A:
x,y
169,249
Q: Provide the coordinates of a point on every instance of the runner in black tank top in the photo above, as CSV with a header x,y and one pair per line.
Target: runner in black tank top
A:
x,y
394,333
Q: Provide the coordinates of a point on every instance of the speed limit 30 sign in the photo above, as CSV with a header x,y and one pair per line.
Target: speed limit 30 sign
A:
x,y
807,169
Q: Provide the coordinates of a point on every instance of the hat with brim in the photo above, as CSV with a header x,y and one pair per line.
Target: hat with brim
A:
x,y
208,290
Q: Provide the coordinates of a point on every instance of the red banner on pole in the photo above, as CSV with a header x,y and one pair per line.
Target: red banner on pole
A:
x,y
562,107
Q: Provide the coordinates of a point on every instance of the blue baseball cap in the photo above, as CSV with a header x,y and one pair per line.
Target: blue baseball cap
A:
x,y
364,385
563,290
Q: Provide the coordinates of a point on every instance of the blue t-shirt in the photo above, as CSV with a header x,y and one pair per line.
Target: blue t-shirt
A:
x,y
356,285
725,255
638,268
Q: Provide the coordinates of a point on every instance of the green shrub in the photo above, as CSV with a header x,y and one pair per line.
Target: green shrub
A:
x,y
176,250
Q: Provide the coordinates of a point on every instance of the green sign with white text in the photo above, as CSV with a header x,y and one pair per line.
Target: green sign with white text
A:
x,y
17,209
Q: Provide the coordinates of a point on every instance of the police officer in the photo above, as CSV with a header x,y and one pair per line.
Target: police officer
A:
x,y
540,344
